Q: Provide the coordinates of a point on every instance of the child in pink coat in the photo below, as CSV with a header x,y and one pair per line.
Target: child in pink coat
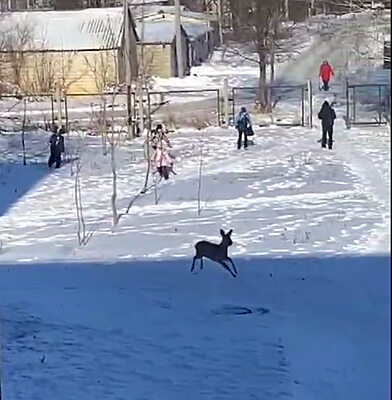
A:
x,y
161,160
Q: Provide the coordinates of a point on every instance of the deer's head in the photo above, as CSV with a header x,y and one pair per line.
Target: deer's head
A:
x,y
226,237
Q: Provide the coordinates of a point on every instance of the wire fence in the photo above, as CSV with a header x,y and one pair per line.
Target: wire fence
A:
x,y
368,104
289,104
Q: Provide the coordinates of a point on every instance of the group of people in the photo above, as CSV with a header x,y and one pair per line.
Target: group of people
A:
x,y
162,159
326,114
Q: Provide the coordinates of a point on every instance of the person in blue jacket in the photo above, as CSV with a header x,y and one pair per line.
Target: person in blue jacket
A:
x,y
243,123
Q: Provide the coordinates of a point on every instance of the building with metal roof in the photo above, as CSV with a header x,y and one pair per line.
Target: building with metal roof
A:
x,y
82,51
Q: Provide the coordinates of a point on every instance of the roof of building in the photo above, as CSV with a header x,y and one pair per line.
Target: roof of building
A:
x,y
89,29
138,11
164,31
151,11
156,32
196,30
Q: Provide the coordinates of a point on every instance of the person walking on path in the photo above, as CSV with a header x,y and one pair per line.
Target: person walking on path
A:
x,y
325,73
56,143
327,116
243,123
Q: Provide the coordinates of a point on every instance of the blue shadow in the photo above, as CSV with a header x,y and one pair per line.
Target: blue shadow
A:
x,y
16,180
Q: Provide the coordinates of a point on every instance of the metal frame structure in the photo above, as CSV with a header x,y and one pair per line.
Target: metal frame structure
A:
x,y
383,106
171,92
304,90
49,96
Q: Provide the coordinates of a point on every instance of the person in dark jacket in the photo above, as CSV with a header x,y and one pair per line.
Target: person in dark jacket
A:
x,y
56,143
327,116
242,124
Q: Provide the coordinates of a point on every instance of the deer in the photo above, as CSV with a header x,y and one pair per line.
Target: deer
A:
x,y
215,252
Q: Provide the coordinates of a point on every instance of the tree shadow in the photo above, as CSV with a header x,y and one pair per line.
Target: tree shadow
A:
x,y
16,180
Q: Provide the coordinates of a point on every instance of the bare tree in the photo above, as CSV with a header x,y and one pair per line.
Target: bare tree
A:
x,y
103,66
83,234
23,132
200,179
256,22
14,42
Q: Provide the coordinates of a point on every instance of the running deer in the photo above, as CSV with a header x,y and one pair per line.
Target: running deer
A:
x,y
215,252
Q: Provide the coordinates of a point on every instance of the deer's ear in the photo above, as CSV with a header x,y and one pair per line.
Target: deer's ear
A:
x,y
230,232
222,232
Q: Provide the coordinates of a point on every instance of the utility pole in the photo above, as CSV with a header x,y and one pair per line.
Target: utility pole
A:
x,y
180,65
142,76
128,77
220,19
59,110
286,10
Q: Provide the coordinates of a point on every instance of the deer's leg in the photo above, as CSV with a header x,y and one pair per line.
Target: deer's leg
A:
x,y
232,263
201,263
224,265
193,263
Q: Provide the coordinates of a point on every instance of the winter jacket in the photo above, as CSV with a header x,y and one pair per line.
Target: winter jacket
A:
x,y
243,121
56,143
159,137
327,115
326,72
161,156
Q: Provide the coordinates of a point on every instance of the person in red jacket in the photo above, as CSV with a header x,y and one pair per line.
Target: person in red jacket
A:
x,y
326,72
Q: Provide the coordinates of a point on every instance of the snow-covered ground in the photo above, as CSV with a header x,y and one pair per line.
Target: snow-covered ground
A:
x,y
122,318
303,328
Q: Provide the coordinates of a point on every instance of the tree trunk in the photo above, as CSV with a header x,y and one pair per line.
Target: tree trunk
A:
x,y
114,184
23,133
272,61
262,95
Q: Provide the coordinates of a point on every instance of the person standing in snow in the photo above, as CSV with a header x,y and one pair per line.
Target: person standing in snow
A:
x,y
327,115
325,74
56,143
162,160
243,123
159,134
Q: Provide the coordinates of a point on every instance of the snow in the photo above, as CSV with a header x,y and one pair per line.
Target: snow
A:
x,y
319,328
308,316
68,30
164,31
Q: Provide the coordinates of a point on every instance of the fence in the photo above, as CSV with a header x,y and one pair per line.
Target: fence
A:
x,y
296,111
196,108
38,111
368,104
193,108
387,54
91,112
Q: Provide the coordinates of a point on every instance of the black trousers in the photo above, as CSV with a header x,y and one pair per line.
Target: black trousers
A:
x,y
239,142
164,172
54,158
327,130
325,85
